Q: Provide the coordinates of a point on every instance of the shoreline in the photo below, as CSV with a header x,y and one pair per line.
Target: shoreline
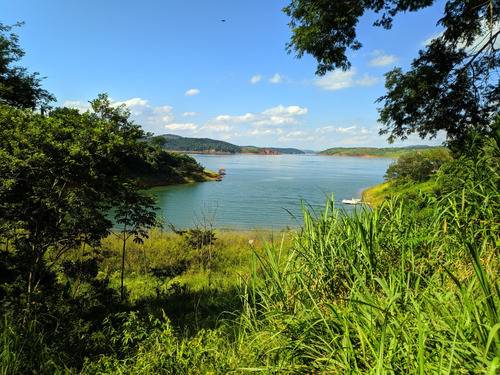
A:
x,y
208,176
359,156
275,153
209,152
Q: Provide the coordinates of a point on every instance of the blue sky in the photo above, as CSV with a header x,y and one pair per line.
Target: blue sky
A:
x,y
181,70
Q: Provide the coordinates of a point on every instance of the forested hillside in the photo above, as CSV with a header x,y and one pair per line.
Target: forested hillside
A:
x,y
196,144
386,152
277,150
207,145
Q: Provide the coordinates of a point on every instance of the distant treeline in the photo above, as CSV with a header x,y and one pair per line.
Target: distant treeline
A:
x,y
287,150
387,152
176,143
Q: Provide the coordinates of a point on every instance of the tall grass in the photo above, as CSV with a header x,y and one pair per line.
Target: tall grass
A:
x,y
23,351
384,291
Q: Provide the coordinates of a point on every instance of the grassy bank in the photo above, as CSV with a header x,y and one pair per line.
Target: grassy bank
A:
x,y
376,195
383,291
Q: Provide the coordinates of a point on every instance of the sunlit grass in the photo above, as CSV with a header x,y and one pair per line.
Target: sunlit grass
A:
x,y
375,195
384,292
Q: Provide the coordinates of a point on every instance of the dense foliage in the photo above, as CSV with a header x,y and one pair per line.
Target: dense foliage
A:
x,y
418,166
18,88
452,85
60,176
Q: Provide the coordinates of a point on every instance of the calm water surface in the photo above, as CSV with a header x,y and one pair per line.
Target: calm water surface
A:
x,y
262,191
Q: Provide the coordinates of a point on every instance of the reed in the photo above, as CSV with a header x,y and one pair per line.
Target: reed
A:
x,y
383,291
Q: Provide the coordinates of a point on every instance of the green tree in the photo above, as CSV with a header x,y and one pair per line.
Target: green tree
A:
x,y
418,166
158,141
136,215
59,177
18,87
412,166
452,85
117,117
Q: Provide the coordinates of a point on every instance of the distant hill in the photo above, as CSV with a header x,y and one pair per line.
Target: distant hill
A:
x,y
173,142
386,152
287,150
199,145
270,150
170,136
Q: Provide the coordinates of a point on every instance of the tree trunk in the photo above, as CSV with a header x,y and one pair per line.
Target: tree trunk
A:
x,y
123,259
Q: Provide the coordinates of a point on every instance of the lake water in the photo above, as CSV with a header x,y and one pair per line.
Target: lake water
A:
x,y
266,191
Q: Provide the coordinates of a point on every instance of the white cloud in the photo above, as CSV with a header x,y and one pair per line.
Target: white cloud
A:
x,y
135,104
351,130
381,59
336,80
216,128
431,38
187,126
149,117
246,118
189,114
487,30
161,114
256,78
192,92
272,117
77,104
326,129
293,110
348,130
339,79
146,115
276,131
276,78
322,138
275,120
367,80
356,141
298,136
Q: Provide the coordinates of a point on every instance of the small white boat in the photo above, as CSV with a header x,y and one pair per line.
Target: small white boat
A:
x,y
352,201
